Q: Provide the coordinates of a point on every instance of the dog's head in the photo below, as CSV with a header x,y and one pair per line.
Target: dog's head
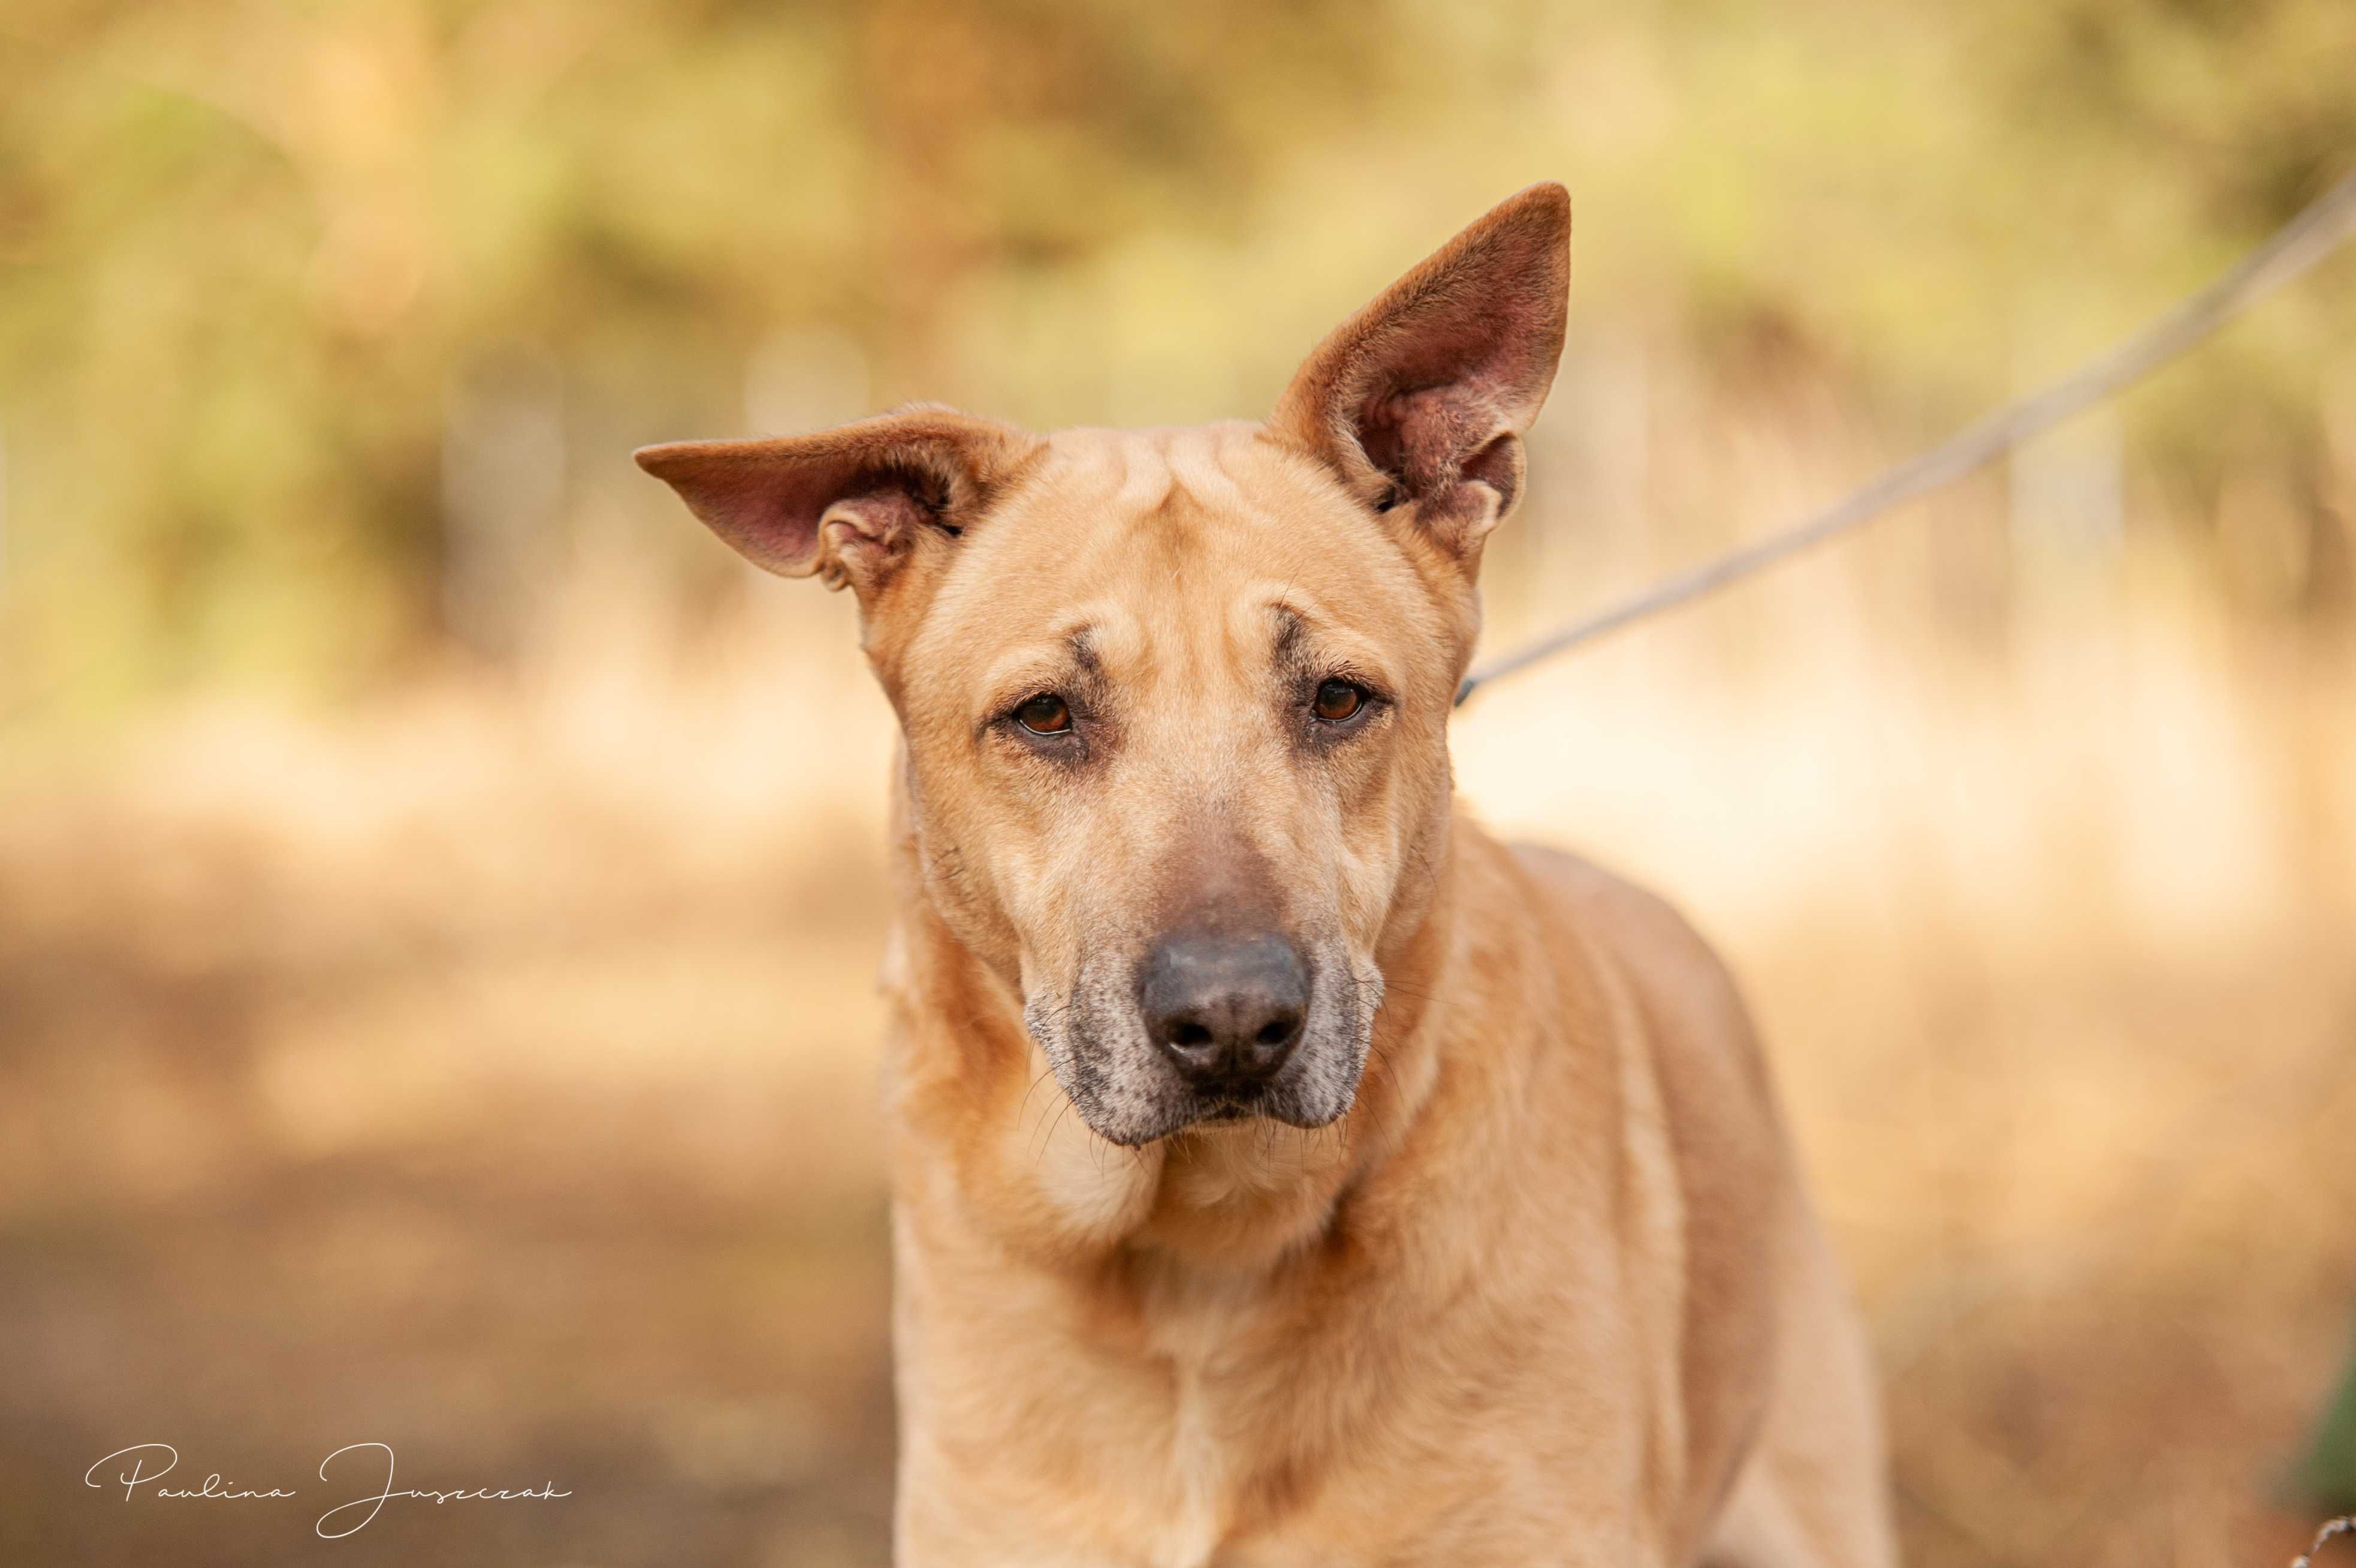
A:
x,y
1175,701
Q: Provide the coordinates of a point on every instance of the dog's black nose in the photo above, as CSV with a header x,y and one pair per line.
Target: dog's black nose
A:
x,y
1227,1010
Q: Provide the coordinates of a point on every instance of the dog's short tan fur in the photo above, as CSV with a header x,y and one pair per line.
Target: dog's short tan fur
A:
x,y
1513,1265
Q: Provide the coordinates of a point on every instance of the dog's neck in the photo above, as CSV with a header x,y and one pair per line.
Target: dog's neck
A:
x,y
985,1143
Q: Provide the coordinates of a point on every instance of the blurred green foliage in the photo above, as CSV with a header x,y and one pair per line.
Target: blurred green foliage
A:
x,y
249,248
2327,1476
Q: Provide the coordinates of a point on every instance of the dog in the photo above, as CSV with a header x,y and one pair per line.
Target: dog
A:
x,y
1284,1170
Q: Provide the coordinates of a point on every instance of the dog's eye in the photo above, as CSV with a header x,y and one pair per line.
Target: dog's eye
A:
x,y
1046,714
1339,699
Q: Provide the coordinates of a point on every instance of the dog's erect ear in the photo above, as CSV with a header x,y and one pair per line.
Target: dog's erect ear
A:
x,y
1421,400
851,504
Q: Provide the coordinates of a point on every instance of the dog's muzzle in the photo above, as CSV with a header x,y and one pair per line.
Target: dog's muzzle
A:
x,y
1208,1026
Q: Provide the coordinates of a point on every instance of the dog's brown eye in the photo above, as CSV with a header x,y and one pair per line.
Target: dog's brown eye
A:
x,y
1044,714
1338,700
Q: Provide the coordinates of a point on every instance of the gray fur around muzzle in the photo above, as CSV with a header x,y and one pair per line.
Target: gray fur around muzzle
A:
x,y
1205,1029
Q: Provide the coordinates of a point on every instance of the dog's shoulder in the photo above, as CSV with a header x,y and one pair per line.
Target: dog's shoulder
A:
x,y
1724,1134
1687,994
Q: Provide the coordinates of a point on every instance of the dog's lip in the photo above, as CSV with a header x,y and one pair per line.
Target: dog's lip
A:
x,y
1226,1107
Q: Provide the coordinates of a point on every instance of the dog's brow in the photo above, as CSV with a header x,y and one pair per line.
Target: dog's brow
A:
x,y
1293,602
1303,626
1071,657
1297,617
1292,631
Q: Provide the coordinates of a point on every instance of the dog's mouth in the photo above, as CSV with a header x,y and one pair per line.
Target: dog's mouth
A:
x,y
1316,1099
1234,1105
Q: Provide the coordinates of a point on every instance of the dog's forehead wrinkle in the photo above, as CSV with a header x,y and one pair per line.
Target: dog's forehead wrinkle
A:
x,y
1200,467
1131,469
1146,481
1157,519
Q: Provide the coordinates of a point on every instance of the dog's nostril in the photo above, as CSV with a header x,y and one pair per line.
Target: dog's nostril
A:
x,y
1190,1034
1277,1032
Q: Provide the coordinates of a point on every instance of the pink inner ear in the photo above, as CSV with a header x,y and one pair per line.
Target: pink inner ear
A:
x,y
763,499
1498,465
1429,385
1460,365
1426,439
846,503
862,535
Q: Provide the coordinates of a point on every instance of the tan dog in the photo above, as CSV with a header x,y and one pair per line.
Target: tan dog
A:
x,y
1398,1197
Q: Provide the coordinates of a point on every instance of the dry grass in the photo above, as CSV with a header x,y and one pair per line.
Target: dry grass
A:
x,y
490,1071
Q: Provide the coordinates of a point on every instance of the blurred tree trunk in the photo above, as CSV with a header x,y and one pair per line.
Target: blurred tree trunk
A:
x,y
2329,1472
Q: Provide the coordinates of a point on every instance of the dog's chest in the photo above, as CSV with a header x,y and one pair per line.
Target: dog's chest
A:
x,y
1213,1445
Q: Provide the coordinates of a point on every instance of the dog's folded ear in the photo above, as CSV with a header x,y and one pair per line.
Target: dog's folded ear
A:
x,y
1421,400
851,504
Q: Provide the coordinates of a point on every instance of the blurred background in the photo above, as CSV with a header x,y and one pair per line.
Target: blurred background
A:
x,y
440,886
